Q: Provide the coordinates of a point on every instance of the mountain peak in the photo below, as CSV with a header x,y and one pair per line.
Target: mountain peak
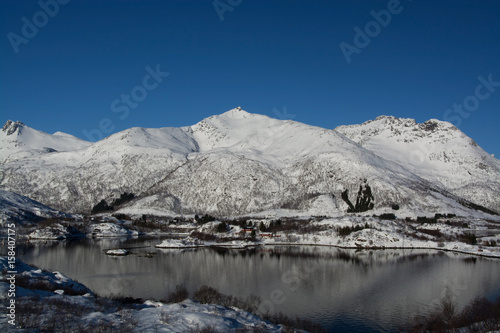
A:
x,y
11,127
384,117
19,141
391,120
235,119
391,123
236,113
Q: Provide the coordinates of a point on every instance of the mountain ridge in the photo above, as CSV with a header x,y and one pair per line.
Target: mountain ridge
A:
x,y
238,163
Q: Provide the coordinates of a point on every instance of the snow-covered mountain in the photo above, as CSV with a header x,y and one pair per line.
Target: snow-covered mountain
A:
x,y
20,142
436,151
240,163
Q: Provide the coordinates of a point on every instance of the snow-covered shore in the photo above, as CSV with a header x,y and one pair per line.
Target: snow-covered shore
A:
x,y
359,233
392,234
190,242
184,243
109,229
53,232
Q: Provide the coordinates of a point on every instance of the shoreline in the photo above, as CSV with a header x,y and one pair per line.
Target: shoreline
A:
x,y
458,234
388,248
347,247
256,245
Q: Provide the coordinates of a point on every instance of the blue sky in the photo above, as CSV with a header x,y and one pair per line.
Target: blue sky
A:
x,y
88,67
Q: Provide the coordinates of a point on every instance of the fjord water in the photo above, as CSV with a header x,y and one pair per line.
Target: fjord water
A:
x,y
343,290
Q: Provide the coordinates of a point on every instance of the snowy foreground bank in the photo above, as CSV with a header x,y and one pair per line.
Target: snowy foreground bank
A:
x,y
46,300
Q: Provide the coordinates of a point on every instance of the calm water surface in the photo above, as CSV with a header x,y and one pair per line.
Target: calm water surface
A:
x,y
343,290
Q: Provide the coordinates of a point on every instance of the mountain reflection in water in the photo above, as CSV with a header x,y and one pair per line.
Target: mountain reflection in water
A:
x,y
343,290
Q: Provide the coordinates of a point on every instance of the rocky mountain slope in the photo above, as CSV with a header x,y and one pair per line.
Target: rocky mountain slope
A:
x,y
239,163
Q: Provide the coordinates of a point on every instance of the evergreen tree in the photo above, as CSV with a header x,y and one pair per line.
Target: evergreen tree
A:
x,y
101,207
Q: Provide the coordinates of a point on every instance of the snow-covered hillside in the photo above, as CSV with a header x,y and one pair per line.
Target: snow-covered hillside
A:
x,y
240,163
18,208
